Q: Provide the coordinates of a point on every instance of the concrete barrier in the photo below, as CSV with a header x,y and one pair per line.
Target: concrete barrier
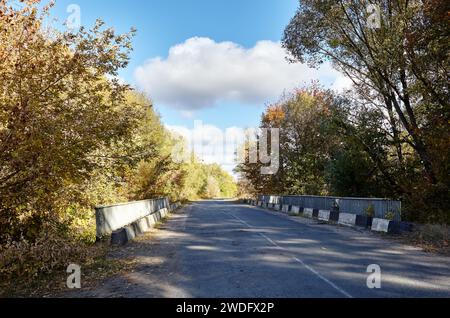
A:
x,y
364,221
315,213
329,216
114,217
334,216
324,215
387,226
380,225
347,219
137,228
348,205
308,213
327,209
295,209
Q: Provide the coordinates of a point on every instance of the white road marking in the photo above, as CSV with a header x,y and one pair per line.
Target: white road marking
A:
x,y
312,270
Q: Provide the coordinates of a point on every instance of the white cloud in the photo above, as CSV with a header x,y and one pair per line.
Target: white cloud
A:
x,y
200,73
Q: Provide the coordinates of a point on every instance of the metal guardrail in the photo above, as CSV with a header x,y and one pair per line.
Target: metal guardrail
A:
x,y
357,206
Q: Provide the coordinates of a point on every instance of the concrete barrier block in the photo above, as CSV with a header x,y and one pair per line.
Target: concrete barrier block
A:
x,y
114,217
157,216
348,219
315,213
141,226
119,237
164,212
383,225
285,208
307,212
334,216
150,220
380,225
295,209
364,221
131,233
395,227
277,207
324,215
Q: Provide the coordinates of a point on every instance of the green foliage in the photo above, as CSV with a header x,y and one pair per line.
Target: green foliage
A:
x,y
212,189
58,111
389,215
308,139
370,211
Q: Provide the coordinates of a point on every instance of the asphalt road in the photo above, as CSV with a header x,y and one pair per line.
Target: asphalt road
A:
x,y
223,249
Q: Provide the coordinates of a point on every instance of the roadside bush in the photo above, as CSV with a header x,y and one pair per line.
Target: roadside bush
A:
x,y
432,237
50,251
370,212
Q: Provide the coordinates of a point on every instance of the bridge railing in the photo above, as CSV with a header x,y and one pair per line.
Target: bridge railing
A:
x,y
357,206
113,217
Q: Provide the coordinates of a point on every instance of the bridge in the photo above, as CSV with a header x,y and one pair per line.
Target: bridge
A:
x,y
223,248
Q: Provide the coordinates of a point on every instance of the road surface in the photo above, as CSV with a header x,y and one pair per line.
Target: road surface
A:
x,y
224,249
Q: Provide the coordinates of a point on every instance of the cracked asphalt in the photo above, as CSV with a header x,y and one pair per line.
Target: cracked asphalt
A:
x,y
223,249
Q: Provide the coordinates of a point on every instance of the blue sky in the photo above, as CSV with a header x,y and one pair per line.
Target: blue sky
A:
x,y
218,61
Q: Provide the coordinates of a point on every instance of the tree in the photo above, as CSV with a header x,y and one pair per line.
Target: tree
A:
x,y
398,67
57,108
307,140
212,189
393,60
